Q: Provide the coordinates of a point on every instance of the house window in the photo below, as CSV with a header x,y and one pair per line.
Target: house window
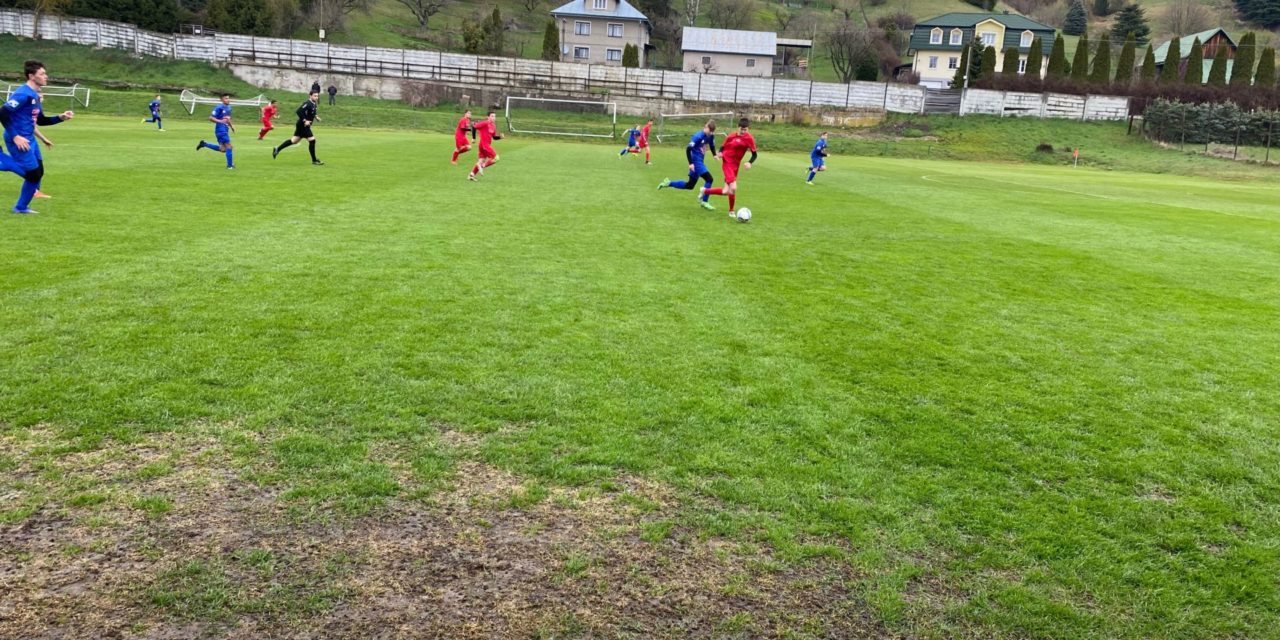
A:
x,y
751,62
956,36
953,62
1022,65
581,28
581,53
615,30
1027,37
601,4
933,62
935,36
988,39
706,60
613,54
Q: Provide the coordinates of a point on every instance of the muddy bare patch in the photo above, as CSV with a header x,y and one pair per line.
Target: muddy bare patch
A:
x,y
164,538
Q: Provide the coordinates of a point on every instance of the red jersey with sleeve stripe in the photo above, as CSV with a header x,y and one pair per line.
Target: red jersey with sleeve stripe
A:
x,y
644,135
460,133
735,146
269,112
487,130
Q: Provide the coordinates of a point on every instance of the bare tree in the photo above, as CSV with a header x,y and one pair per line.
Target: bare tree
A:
x,y
43,7
848,8
1184,17
691,8
529,6
731,14
331,14
783,17
859,53
422,10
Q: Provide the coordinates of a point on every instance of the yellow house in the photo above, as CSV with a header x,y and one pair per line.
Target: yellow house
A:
x,y
937,44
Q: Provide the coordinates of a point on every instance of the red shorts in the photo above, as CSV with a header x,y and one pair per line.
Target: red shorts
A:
x,y
730,173
487,152
642,143
461,142
266,124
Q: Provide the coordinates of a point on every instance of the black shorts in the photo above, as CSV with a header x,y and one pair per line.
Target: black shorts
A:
x,y
302,130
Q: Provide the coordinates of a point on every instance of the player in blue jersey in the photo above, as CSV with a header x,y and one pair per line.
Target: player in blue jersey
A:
x,y
222,128
20,115
155,113
695,153
816,161
633,141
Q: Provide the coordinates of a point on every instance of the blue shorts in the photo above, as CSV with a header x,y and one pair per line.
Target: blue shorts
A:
x,y
698,169
817,161
224,137
29,159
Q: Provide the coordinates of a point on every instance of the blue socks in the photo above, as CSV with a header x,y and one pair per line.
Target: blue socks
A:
x,y
811,174
228,157
28,192
210,146
678,184
706,197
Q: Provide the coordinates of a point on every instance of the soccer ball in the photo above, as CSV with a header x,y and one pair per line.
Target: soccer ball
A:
x,y
744,215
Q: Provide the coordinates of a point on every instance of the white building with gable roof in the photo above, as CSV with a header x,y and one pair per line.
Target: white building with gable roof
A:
x,y
729,51
596,31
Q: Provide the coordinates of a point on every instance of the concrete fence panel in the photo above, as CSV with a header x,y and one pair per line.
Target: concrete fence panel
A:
x,y
984,102
754,91
79,31
716,88
193,48
790,91
1106,108
225,42
387,57
1020,104
153,44
1062,105
903,98
830,93
867,95
349,59
118,36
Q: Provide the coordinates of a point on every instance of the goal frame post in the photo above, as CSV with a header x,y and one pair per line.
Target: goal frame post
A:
x,y
611,113
663,117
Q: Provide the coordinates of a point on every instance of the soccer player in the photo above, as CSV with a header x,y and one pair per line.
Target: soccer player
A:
x,y
268,114
221,119
155,113
644,140
735,146
20,115
48,143
816,162
633,141
460,143
694,152
488,131
306,115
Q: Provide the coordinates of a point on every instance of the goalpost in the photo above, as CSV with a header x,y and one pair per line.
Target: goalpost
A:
x,y
562,117
75,92
189,100
680,124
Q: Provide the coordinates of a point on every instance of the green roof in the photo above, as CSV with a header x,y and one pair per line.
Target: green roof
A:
x,y
1185,42
1009,20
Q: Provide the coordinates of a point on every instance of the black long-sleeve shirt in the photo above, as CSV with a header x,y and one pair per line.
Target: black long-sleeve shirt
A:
x,y
307,111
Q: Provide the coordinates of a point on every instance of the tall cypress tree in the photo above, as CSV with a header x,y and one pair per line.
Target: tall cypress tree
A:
x,y
988,67
1035,58
1057,60
1148,72
1194,74
1124,66
1101,74
957,81
551,42
1171,72
1077,20
1080,63
1242,68
1218,72
1266,75
1009,66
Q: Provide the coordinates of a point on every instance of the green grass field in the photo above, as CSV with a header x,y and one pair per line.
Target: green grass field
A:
x,y
921,398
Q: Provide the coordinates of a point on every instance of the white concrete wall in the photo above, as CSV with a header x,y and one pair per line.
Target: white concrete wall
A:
x,y
1043,105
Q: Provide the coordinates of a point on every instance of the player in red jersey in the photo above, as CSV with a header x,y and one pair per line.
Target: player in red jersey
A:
x,y
488,132
268,114
643,142
731,152
460,143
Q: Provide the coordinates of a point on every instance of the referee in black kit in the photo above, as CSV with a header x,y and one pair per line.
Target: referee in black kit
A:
x,y
306,115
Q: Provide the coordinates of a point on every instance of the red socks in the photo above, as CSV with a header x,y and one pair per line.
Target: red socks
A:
x,y
732,197
718,191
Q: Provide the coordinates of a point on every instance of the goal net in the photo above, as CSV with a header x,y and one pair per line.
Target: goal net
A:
x,y
76,92
189,100
678,125
562,117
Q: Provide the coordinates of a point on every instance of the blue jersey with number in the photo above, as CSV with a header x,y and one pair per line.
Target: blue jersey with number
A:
x,y
632,136
819,148
219,112
20,114
155,107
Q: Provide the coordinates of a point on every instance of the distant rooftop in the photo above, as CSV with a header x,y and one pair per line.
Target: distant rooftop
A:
x,y
579,8
1185,42
752,43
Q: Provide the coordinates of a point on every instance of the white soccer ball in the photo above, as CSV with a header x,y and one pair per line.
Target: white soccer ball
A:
x,y
744,215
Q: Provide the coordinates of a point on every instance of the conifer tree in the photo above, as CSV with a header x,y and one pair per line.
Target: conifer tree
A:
x,y
551,42
1009,66
1148,72
1266,74
1124,66
1057,60
1080,63
1194,75
957,82
1129,20
988,67
1035,59
1101,74
1218,72
1242,68
1171,72
1077,20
